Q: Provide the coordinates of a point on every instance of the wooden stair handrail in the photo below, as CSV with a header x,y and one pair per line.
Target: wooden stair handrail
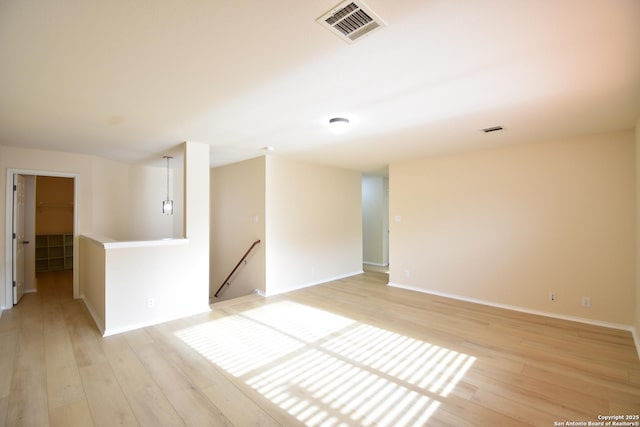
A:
x,y
226,281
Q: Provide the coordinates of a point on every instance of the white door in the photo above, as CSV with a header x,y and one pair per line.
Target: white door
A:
x,y
18,237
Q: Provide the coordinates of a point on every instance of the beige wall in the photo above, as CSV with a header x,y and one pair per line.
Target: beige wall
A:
x,y
308,218
237,220
54,205
313,224
508,226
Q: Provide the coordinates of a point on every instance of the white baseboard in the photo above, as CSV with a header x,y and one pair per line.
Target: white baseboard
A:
x,y
93,314
377,264
114,331
584,320
309,284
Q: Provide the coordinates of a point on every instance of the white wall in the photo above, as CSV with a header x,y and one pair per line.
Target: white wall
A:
x,y
127,285
109,198
237,220
166,274
510,225
127,199
39,160
93,278
105,191
196,219
313,224
147,190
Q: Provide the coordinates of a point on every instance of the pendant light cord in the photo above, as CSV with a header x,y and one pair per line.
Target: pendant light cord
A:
x,y
167,157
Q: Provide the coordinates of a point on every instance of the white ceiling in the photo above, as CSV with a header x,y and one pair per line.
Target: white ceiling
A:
x,y
128,80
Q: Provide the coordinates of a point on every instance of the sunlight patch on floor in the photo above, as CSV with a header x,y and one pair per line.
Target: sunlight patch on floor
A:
x,y
328,370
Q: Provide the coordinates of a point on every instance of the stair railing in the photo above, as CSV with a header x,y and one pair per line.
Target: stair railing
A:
x,y
226,281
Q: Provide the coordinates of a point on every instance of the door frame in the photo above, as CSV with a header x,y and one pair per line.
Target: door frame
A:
x,y
8,283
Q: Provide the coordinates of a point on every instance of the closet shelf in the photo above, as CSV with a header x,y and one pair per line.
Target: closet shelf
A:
x,y
54,252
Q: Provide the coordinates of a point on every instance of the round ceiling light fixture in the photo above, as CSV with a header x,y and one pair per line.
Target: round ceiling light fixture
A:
x,y
339,125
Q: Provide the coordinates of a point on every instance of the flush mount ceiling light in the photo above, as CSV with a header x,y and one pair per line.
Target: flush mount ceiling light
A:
x,y
339,125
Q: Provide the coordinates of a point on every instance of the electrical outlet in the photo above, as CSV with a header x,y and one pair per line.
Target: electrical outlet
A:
x,y
407,274
553,297
150,302
586,302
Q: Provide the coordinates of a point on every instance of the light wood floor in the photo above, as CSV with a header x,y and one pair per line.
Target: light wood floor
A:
x,y
350,352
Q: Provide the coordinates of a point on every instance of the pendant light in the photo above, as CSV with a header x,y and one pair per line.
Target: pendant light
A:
x,y
167,204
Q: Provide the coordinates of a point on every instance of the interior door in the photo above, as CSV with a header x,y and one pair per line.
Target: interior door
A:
x,y
18,237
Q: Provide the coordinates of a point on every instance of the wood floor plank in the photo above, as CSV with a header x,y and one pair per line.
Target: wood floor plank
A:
x,y
8,350
27,403
64,385
4,403
107,402
85,338
352,352
233,403
189,402
10,320
147,401
454,414
74,414
152,408
231,397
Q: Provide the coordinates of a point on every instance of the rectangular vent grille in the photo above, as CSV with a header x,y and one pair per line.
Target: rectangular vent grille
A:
x,y
492,129
351,20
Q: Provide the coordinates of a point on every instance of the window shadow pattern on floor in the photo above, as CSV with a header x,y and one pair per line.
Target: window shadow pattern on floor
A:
x,y
329,370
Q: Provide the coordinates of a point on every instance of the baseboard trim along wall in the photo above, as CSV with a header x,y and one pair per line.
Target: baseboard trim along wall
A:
x,y
634,332
314,283
113,331
92,312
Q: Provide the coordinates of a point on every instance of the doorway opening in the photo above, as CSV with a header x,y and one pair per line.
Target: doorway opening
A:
x,y
54,233
41,226
375,223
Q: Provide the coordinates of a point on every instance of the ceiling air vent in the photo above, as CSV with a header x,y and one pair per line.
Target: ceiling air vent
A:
x,y
351,20
492,129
